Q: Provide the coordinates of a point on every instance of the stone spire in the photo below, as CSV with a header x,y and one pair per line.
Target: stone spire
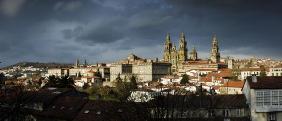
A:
x,y
77,63
167,38
85,63
194,54
167,48
215,55
174,57
182,52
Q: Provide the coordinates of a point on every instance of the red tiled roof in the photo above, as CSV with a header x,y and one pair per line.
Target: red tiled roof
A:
x,y
251,69
268,82
238,84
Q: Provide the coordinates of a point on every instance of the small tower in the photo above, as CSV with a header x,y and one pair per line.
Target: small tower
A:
x,y
167,48
182,52
85,63
194,54
174,57
215,55
76,65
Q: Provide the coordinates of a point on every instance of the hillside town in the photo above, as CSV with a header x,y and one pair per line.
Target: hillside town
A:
x,y
179,86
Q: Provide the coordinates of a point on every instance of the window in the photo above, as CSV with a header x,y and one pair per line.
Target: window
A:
x,y
275,96
238,111
271,98
272,116
280,97
226,113
259,98
266,98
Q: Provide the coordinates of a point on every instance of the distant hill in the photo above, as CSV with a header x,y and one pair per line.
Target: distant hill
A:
x,y
39,65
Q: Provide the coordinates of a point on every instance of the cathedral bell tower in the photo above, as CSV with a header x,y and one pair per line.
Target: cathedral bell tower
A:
x,y
215,55
194,54
174,58
167,48
182,52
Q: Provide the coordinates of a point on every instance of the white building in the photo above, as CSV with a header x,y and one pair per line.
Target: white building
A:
x,y
264,97
275,71
170,79
58,72
245,72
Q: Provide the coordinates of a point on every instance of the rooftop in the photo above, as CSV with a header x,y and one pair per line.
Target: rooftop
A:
x,y
267,82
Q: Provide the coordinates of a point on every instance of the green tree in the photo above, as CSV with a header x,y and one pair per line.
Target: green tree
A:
x,y
122,90
63,82
118,79
133,82
185,79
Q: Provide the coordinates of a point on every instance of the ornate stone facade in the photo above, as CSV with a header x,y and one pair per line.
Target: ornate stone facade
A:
x,y
174,56
215,55
178,58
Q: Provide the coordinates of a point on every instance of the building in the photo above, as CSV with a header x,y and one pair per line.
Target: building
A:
x,y
215,55
174,56
245,72
179,57
264,97
201,108
144,69
232,87
58,72
111,111
275,71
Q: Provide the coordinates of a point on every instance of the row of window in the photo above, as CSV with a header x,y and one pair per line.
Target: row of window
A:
x,y
276,74
269,98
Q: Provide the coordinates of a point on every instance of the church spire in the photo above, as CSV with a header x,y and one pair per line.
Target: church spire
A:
x,y
168,48
215,55
167,38
182,52
182,36
77,63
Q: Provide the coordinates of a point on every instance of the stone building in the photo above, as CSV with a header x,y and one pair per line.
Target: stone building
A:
x,y
264,97
179,58
143,69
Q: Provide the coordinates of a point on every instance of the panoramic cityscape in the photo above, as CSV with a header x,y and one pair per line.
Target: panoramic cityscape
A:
x,y
151,60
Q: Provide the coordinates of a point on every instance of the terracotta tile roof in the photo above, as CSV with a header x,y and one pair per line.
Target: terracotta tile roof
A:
x,y
223,73
252,69
267,82
238,84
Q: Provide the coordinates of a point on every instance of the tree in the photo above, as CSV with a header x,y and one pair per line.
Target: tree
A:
x,y
2,79
98,74
185,79
63,82
118,79
122,90
133,82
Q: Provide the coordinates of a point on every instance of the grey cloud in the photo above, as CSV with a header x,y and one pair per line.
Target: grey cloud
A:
x,y
103,30
67,6
11,7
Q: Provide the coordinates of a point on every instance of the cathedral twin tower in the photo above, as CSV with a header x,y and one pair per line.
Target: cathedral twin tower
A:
x,y
175,57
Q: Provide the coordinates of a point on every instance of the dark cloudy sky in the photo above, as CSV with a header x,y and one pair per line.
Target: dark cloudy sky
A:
x,y
107,30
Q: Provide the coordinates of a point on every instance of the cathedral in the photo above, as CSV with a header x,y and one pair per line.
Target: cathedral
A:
x,y
179,57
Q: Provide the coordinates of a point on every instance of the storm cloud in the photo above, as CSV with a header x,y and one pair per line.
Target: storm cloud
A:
x,y
107,30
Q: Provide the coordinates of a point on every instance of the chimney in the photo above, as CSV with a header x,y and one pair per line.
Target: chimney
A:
x,y
254,78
